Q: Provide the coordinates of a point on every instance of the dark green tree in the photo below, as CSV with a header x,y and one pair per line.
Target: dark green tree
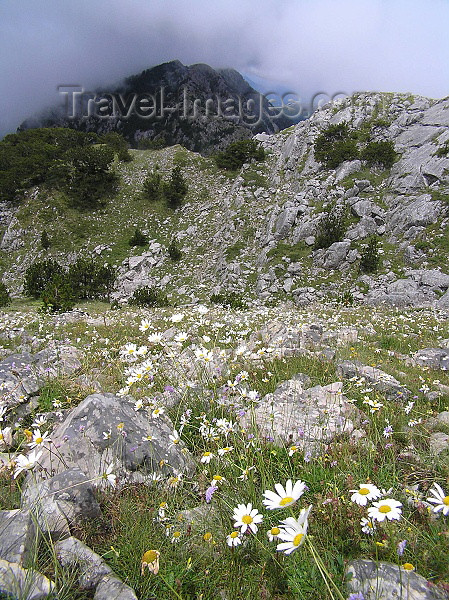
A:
x,y
370,259
39,274
331,227
45,240
90,278
175,189
58,295
152,187
380,154
138,239
174,251
5,298
118,143
238,153
335,145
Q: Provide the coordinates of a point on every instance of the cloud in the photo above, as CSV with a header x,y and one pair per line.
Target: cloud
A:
x,y
308,45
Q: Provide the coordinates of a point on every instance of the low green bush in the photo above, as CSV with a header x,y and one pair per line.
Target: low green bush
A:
x,y
174,251
379,154
335,145
5,298
148,296
238,153
230,299
370,259
138,239
331,227
38,276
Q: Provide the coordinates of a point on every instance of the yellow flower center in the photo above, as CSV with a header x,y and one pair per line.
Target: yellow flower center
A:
x,y
408,567
177,534
297,539
39,440
286,501
234,534
446,500
1,436
206,454
247,519
364,491
207,536
150,556
275,531
217,477
384,508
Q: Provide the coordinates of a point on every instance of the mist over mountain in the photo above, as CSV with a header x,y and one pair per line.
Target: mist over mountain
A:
x,y
201,108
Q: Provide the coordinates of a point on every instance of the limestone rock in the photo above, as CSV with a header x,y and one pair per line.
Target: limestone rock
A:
x,y
81,444
303,417
376,377
436,358
57,502
17,535
25,584
385,581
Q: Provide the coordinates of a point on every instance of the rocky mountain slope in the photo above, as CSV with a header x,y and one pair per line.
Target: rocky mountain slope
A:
x,y
180,96
255,232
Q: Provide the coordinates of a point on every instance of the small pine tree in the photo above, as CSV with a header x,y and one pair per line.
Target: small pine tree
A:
x,y
174,251
370,260
331,228
39,274
138,239
152,187
5,298
45,240
59,295
176,189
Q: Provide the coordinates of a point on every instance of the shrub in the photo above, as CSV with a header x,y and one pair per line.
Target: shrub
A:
x,y
84,175
335,145
238,153
148,296
45,240
442,151
331,227
230,299
176,189
118,143
58,295
370,260
152,187
380,154
174,251
90,279
138,239
5,298
39,275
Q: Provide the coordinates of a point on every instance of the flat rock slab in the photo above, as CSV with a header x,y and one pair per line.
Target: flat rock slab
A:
x,y
23,583
58,501
79,442
376,377
17,535
304,418
435,358
22,375
386,581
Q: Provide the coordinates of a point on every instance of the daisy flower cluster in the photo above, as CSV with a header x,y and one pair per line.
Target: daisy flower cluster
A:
x,y
290,531
381,508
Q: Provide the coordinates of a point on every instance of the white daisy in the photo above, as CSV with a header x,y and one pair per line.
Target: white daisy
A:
x,y
24,463
247,517
293,532
440,500
284,497
207,457
273,534
365,493
385,509
39,439
233,539
368,526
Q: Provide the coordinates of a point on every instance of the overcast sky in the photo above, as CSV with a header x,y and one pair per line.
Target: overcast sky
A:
x,y
309,46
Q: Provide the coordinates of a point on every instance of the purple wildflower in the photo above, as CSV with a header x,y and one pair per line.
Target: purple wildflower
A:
x,y
210,492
